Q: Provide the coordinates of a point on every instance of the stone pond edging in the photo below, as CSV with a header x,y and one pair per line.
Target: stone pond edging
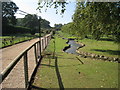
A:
x,y
95,56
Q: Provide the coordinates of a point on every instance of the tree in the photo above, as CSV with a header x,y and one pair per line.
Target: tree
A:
x,y
32,22
97,19
19,22
50,3
58,26
8,11
45,23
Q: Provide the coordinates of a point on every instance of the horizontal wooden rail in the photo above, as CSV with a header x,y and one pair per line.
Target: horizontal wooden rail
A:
x,y
9,68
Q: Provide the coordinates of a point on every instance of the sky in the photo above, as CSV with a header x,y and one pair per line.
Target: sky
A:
x,y
30,7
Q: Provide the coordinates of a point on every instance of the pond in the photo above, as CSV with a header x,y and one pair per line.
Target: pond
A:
x,y
73,46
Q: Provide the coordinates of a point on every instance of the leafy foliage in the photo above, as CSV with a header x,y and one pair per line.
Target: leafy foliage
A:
x,y
8,11
50,3
10,29
45,23
58,26
32,22
97,19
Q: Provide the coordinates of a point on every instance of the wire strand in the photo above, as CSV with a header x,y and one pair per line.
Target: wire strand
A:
x,y
23,11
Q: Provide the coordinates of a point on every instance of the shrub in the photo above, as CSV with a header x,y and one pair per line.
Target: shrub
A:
x,y
9,29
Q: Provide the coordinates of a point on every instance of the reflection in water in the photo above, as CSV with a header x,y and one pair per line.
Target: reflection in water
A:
x,y
73,46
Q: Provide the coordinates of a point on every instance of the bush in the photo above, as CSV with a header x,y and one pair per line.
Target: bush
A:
x,y
9,29
20,29
32,32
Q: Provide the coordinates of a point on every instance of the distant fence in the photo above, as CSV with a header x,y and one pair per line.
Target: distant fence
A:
x,y
13,40
39,46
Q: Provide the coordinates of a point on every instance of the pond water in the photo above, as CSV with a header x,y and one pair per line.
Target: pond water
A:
x,y
73,46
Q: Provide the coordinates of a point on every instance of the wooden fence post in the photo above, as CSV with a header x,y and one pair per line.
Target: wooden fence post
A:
x,y
26,69
44,42
35,51
40,46
47,40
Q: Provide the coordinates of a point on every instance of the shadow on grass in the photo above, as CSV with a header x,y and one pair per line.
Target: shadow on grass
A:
x,y
102,39
66,58
32,87
58,75
105,39
60,66
37,88
48,65
112,52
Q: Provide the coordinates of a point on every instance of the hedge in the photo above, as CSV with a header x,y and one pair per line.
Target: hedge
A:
x,y
9,29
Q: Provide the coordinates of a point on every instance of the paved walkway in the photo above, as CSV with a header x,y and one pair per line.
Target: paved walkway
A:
x,y
16,77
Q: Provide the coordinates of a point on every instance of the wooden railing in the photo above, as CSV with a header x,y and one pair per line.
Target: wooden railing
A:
x,y
39,46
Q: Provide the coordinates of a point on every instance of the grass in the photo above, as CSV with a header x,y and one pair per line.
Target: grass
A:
x,y
66,71
17,38
107,48
2,37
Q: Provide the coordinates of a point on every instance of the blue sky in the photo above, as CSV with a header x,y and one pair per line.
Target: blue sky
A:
x,y
30,6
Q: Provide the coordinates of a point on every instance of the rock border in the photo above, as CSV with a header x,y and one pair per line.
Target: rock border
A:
x,y
95,56
99,57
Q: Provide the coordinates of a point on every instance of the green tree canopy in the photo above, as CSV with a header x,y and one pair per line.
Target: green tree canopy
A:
x,y
56,4
97,19
45,23
8,11
32,22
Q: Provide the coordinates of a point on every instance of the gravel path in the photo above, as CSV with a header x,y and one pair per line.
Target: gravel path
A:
x,y
16,77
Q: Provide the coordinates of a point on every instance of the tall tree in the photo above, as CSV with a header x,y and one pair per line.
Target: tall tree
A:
x,y
32,22
8,11
45,23
97,19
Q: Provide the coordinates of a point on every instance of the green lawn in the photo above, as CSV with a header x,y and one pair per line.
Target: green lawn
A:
x,y
5,40
66,71
106,48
